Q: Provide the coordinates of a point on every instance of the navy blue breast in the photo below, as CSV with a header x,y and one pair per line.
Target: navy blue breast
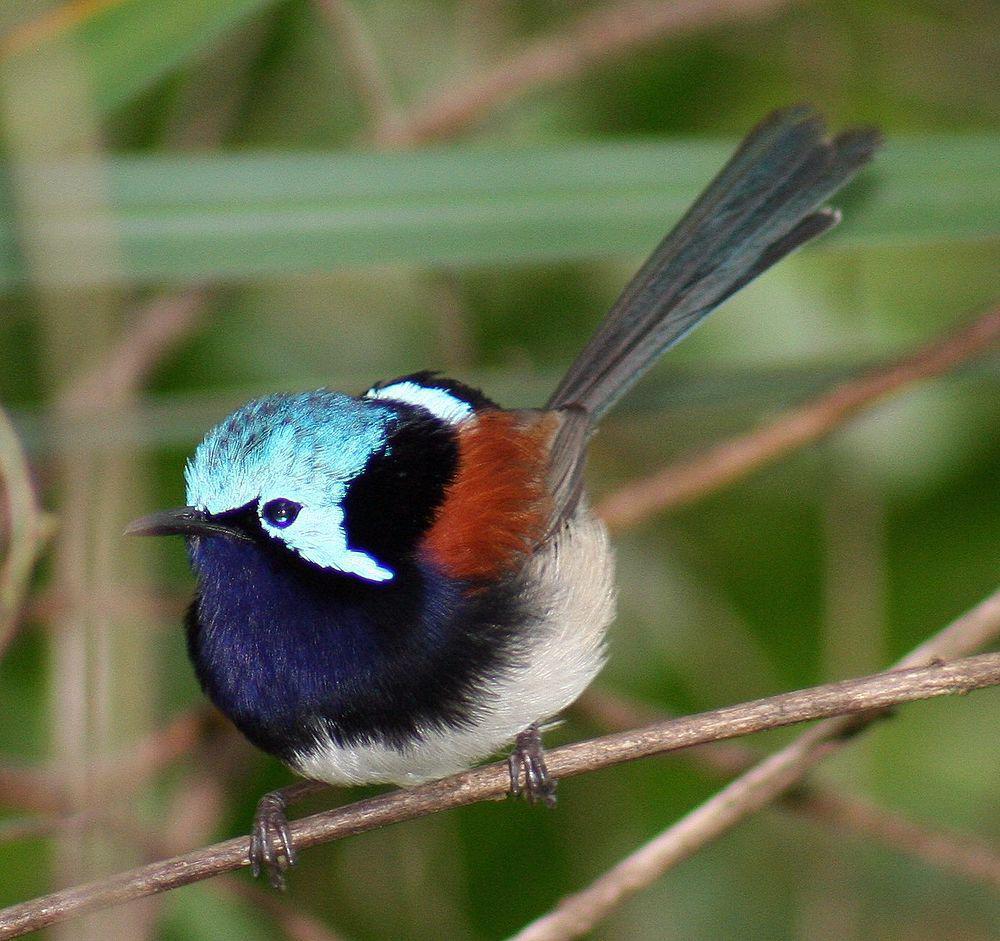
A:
x,y
284,648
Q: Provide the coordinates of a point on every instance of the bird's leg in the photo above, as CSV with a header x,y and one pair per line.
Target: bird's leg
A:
x,y
528,759
271,848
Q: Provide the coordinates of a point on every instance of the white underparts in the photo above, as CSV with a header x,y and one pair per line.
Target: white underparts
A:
x,y
572,581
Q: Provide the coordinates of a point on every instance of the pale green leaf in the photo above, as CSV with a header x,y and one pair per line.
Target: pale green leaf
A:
x,y
242,216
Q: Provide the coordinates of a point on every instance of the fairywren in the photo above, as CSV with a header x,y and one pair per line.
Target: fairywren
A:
x,y
394,586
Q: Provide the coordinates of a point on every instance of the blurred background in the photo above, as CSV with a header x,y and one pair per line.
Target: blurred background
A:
x,y
205,201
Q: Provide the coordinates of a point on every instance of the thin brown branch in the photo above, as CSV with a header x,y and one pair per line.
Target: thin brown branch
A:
x,y
747,794
595,37
136,600
847,700
213,96
32,790
12,831
361,63
51,22
688,480
37,789
959,853
155,751
844,814
109,819
192,815
27,529
160,325
455,344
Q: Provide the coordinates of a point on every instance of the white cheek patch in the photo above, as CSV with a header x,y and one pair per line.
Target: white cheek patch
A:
x,y
319,536
439,402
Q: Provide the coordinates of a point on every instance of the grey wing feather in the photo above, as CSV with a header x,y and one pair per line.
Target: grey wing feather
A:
x,y
566,463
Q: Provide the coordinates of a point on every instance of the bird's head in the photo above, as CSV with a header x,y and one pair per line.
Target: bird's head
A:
x,y
323,476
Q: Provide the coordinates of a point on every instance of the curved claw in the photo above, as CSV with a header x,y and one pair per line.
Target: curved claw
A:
x,y
514,766
271,847
527,760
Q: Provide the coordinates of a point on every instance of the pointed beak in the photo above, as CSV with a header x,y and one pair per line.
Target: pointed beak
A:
x,y
183,521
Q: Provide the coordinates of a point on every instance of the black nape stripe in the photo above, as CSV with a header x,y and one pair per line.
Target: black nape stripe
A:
x,y
392,503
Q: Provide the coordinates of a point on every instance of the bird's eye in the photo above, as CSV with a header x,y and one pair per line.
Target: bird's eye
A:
x,y
281,512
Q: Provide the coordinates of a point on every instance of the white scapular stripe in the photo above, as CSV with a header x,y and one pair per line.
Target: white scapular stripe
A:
x,y
439,402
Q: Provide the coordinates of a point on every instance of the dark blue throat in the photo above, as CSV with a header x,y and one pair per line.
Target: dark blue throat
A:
x,y
287,650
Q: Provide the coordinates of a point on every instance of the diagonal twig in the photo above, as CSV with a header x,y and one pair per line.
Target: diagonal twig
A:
x,y
360,60
843,813
51,22
762,784
959,853
296,924
848,699
28,529
593,38
159,326
684,481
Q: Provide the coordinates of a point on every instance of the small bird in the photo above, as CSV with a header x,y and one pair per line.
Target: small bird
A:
x,y
394,586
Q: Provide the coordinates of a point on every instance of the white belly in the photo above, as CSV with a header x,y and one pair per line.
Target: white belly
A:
x,y
573,579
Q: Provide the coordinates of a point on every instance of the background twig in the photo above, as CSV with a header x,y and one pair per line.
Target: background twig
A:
x,y
27,529
158,326
595,37
842,813
687,480
360,61
763,783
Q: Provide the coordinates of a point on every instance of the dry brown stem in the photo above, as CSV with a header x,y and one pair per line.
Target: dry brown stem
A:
x,y
159,326
762,784
843,814
296,924
360,60
595,37
28,529
687,480
958,853
40,790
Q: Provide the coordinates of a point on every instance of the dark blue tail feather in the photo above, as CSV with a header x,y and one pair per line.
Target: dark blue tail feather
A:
x,y
764,204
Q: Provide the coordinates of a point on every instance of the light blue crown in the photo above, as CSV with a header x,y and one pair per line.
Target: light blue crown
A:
x,y
305,447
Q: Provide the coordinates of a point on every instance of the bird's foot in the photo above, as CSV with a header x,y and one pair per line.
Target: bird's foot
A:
x,y
527,761
271,847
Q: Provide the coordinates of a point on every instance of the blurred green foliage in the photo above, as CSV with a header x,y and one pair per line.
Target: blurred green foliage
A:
x,y
492,258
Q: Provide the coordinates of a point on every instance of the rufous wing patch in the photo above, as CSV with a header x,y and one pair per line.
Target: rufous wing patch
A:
x,y
496,509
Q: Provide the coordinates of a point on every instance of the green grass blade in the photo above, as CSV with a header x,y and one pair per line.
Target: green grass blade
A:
x,y
253,215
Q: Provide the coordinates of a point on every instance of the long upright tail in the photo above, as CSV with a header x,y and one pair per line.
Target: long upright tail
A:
x,y
764,204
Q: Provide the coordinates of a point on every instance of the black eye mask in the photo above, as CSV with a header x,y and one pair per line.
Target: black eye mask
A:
x,y
392,502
